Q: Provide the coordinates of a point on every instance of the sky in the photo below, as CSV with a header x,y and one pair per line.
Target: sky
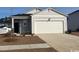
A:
x,y
7,11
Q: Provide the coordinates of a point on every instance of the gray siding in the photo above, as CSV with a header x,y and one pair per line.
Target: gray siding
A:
x,y
73,22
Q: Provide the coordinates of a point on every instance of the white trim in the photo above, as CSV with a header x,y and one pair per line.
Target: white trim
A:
x,y
38,17
12,23
20,17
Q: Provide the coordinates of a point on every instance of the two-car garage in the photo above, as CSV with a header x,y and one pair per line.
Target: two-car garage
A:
x,y
49,21
49,27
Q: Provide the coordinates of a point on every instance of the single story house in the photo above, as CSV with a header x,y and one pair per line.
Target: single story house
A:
x,y
73,21
39,21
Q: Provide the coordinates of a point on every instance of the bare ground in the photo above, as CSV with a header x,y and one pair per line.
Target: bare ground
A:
x,y
20,40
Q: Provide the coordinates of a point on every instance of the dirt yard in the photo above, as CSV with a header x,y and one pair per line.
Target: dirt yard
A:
x,y
18,40
4,40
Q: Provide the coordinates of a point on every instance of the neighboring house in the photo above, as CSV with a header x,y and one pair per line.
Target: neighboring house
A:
x,y
73,21
39,22
3,26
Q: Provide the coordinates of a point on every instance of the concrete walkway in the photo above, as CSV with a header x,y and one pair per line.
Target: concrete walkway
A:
x,y
26,46
62,42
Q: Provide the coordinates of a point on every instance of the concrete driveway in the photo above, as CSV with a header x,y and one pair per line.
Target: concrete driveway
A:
x,y
62,42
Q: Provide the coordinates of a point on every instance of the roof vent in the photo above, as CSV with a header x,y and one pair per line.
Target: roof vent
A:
x,y
35,10
50,9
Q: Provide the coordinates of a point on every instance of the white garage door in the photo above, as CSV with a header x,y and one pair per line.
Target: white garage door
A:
x,y
49,27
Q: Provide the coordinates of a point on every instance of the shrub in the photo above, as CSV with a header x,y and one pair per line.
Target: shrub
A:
x,y
68,32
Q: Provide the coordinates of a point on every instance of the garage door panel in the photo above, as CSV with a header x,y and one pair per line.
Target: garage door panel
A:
x,y
48,27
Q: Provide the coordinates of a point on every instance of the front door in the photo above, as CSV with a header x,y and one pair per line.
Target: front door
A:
x,y
26,26
16,27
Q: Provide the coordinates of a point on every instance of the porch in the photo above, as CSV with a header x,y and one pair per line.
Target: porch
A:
x,y
21,24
